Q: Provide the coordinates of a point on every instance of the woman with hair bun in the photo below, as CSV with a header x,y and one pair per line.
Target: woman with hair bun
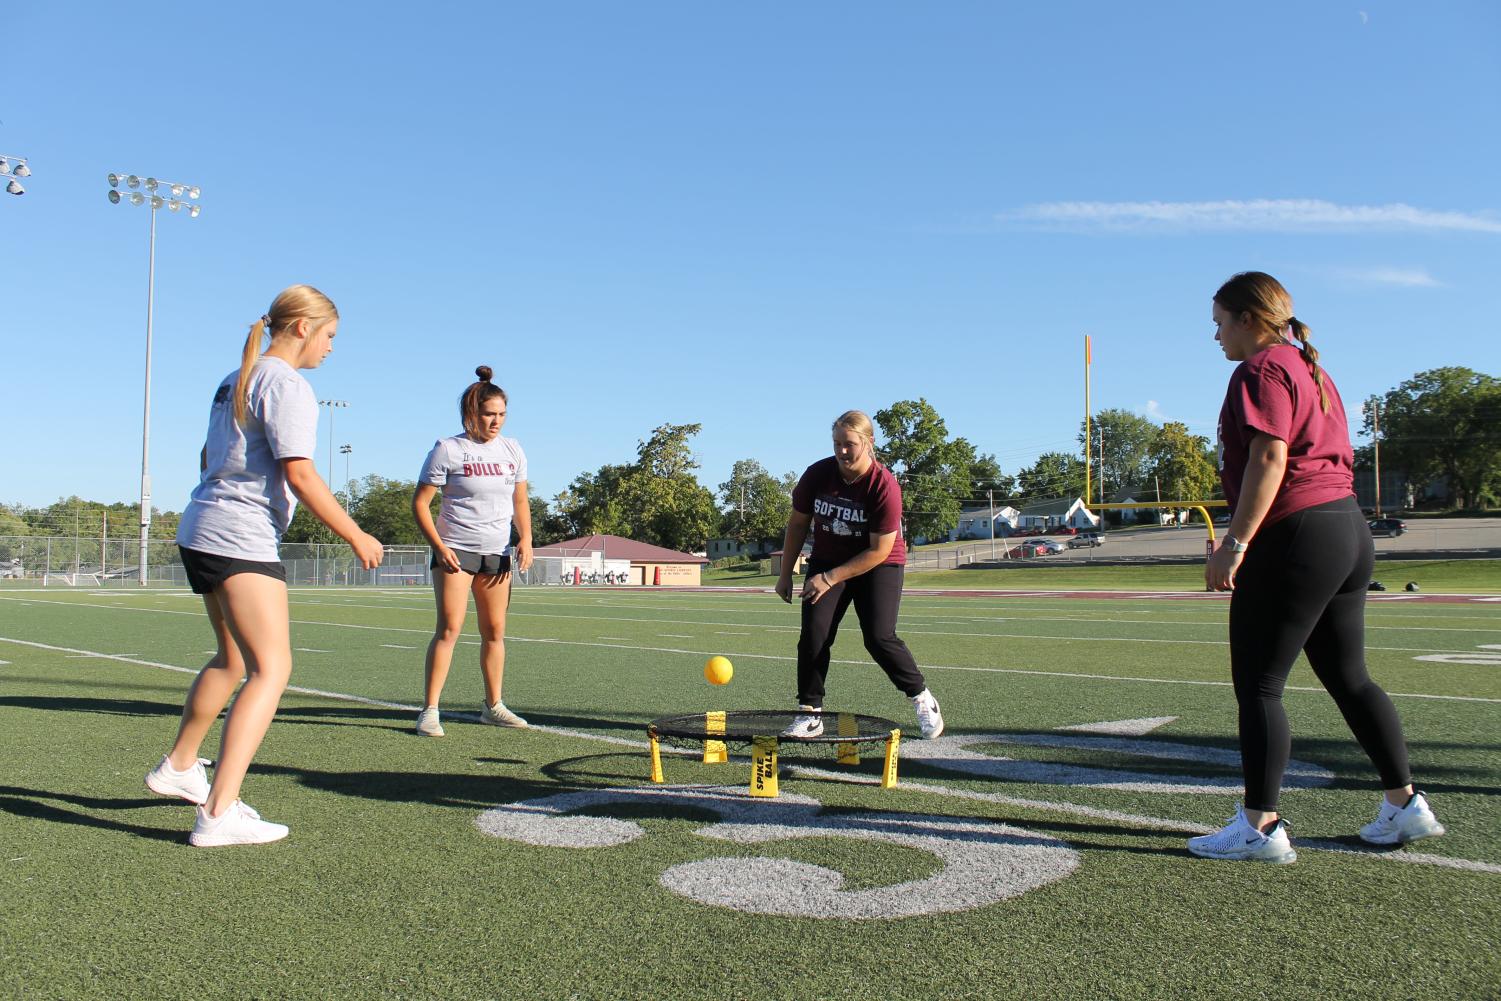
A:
x,y
256,465
482,477
1297,558
853,506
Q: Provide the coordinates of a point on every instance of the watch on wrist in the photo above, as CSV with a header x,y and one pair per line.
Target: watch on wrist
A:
x,y
1235,545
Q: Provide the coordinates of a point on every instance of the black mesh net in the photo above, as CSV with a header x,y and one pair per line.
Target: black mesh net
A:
x,y
742,725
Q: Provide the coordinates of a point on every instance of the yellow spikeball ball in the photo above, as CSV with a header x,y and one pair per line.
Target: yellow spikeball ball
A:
x,y
719,670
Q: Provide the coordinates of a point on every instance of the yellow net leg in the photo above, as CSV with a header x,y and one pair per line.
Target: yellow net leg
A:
x,y
888,773
763,781
656,759
849,751
715,751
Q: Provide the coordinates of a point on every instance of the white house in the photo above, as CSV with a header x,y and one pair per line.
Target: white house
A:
x,y
1057,512
980,522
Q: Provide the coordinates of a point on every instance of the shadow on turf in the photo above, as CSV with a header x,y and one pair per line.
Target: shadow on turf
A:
x,y
23,802
107,707
435,788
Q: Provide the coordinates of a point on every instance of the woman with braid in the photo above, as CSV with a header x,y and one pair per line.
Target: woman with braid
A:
x,y
1297,558
256,465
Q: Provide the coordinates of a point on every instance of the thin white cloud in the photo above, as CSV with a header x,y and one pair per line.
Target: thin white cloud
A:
x,y
1403,277
1282,215
1154,411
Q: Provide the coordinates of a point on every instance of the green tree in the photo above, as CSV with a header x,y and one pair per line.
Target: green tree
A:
x,y
12,523
383,508
988,483
1127,439
661,499
1445,422
756,503
547,526
936,471
1053,475
592,503
1180,464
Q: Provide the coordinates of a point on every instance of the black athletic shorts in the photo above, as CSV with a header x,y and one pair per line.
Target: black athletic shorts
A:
x,y
476,563
206,571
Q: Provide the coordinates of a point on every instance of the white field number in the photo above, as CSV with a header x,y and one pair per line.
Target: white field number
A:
x,y
984,862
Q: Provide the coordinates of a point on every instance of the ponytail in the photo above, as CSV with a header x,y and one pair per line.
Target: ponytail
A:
x,y
252,352
1311,356
299,302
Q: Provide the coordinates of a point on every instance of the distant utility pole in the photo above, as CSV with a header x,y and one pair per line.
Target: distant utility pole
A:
x,y
1376,447
990,494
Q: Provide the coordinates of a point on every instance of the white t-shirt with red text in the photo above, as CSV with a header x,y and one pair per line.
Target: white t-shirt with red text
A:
x,y
478,482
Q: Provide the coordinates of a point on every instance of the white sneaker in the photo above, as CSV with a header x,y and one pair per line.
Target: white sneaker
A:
x,y
1239,841
239,825
499,715
1397,825
191,785
929,718
428,724
808,723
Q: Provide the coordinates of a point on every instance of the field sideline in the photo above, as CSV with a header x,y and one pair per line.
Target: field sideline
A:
x,y
1036,851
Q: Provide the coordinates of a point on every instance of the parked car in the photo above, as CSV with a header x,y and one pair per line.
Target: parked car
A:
x,y
1085,540
1392,527
1047,546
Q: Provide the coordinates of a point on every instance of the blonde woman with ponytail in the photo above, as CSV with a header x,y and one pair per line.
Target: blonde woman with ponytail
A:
x,y
1297,560
852,506
255,467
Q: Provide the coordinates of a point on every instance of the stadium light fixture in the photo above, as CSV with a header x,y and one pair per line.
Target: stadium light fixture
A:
x,y
14,167
133,181
331,404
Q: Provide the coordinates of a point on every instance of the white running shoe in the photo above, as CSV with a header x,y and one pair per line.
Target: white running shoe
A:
x,y
239,825
191,785
499,715
1239,841
428,723
808,723
1397,825
929,718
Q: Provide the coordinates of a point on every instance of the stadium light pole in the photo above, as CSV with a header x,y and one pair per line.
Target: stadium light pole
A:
x,y
178,197
344,450
14,167
331,404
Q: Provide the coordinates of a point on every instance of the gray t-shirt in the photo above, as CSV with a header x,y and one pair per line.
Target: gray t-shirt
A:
x,y
242,503
479,488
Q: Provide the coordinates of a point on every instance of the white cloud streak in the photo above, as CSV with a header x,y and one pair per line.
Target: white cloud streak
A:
x,y
1280,215
1403,277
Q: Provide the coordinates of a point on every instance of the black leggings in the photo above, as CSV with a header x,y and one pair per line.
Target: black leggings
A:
x,y
1302,586
876,595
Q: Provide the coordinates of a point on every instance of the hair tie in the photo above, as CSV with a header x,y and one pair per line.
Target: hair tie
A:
x,y
266,320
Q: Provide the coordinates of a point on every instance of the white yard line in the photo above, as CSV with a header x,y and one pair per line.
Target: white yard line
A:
x,y
1074,809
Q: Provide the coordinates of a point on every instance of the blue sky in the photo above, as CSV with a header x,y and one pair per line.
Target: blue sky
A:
x,y
747,216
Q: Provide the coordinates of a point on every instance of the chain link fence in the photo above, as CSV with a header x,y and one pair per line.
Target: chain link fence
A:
x,y
65,560
75,560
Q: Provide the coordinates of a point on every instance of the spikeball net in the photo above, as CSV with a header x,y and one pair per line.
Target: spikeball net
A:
x,y
763,730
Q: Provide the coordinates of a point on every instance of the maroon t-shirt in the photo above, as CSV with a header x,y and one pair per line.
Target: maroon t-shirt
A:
x,y
1273,392
846,514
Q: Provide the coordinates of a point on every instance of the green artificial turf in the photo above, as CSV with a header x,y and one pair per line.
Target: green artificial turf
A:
x,y
387,888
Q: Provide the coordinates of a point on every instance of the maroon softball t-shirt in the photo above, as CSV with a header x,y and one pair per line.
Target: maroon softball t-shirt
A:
x,y
845,514
1273,393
